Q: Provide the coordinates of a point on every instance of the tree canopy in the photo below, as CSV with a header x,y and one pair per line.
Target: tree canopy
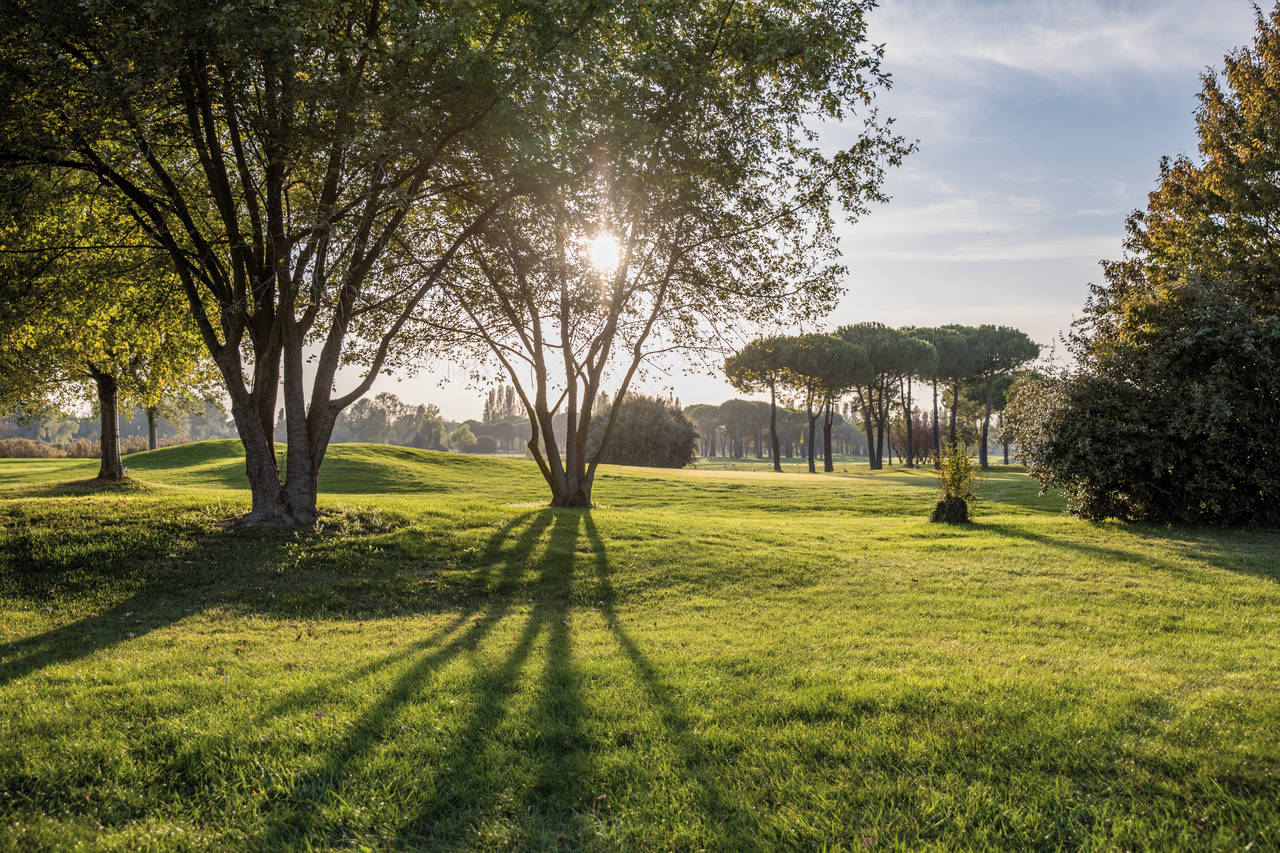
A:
x,y
1169,413
690,158
284,157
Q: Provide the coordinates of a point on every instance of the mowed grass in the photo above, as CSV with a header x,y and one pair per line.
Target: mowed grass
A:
x,y
718,660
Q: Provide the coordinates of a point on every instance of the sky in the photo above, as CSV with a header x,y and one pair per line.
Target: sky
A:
x,y
1040,126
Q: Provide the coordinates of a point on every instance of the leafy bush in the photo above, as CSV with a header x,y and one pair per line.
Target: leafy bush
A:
x,y
462,440
648,431
959,481
486,444
25,448
1178,424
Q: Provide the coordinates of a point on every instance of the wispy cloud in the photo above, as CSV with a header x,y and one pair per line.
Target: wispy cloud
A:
x,y
1058,39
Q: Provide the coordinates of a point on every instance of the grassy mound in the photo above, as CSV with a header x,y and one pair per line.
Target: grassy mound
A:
x,y
711,659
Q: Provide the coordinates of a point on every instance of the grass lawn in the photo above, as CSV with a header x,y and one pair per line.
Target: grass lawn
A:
x,y
711,659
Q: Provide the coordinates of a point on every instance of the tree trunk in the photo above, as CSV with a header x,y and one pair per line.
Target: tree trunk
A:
x,y
773,428
813,420
881,417
828,464
937,437
986,425
911,458
955,407
153,425
112,467
572,490
868,424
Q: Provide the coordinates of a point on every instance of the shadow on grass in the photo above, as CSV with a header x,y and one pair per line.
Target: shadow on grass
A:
x,y
535,566
1248,553
295,816
142,577
135,570
77,488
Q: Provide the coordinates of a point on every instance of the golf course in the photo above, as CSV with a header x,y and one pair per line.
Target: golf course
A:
x,y
707,660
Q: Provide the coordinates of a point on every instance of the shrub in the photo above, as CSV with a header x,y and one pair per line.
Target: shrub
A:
x,y
958,478
1177,424
486,444
463,440
25,448
648,431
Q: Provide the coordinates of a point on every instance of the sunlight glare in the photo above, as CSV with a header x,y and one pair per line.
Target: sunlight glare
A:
x,y
604,253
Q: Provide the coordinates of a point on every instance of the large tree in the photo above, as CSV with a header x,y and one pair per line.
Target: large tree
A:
x,y
693,199
285,156
91,314
1169,412
950,362
820,369
756,367
891,355
996,351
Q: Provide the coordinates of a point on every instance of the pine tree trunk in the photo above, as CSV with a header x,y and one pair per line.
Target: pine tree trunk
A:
x,y
828,464
868,424
813,419
773,428
955,407
937,436
986,426
153,426
112,467
881,417
911,458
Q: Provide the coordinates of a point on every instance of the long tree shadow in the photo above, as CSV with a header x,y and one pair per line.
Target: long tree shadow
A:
x,y
484,611
716,806
1257,559
152,571
296,815
148,573
460,787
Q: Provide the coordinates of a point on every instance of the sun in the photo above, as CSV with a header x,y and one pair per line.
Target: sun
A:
x,y
604,252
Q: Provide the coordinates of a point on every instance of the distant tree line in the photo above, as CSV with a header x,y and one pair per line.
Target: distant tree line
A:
x,y
875,374
52,433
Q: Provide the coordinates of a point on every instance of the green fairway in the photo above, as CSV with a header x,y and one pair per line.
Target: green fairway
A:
x,y
711,659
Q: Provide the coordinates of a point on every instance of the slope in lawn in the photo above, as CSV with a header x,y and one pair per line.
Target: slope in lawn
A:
x,y
719,660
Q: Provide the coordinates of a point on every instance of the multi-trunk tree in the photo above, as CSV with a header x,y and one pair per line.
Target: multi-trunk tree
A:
x,y
820,370
308,167
891,356
685,196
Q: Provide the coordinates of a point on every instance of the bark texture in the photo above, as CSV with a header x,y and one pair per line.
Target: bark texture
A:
x,y
112,467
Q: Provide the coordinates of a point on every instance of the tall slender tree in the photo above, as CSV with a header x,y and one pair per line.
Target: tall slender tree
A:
x,y
996,351
890,356
755,367
951,348
821,369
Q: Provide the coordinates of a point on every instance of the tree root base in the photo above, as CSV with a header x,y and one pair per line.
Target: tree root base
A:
x,y
951,511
